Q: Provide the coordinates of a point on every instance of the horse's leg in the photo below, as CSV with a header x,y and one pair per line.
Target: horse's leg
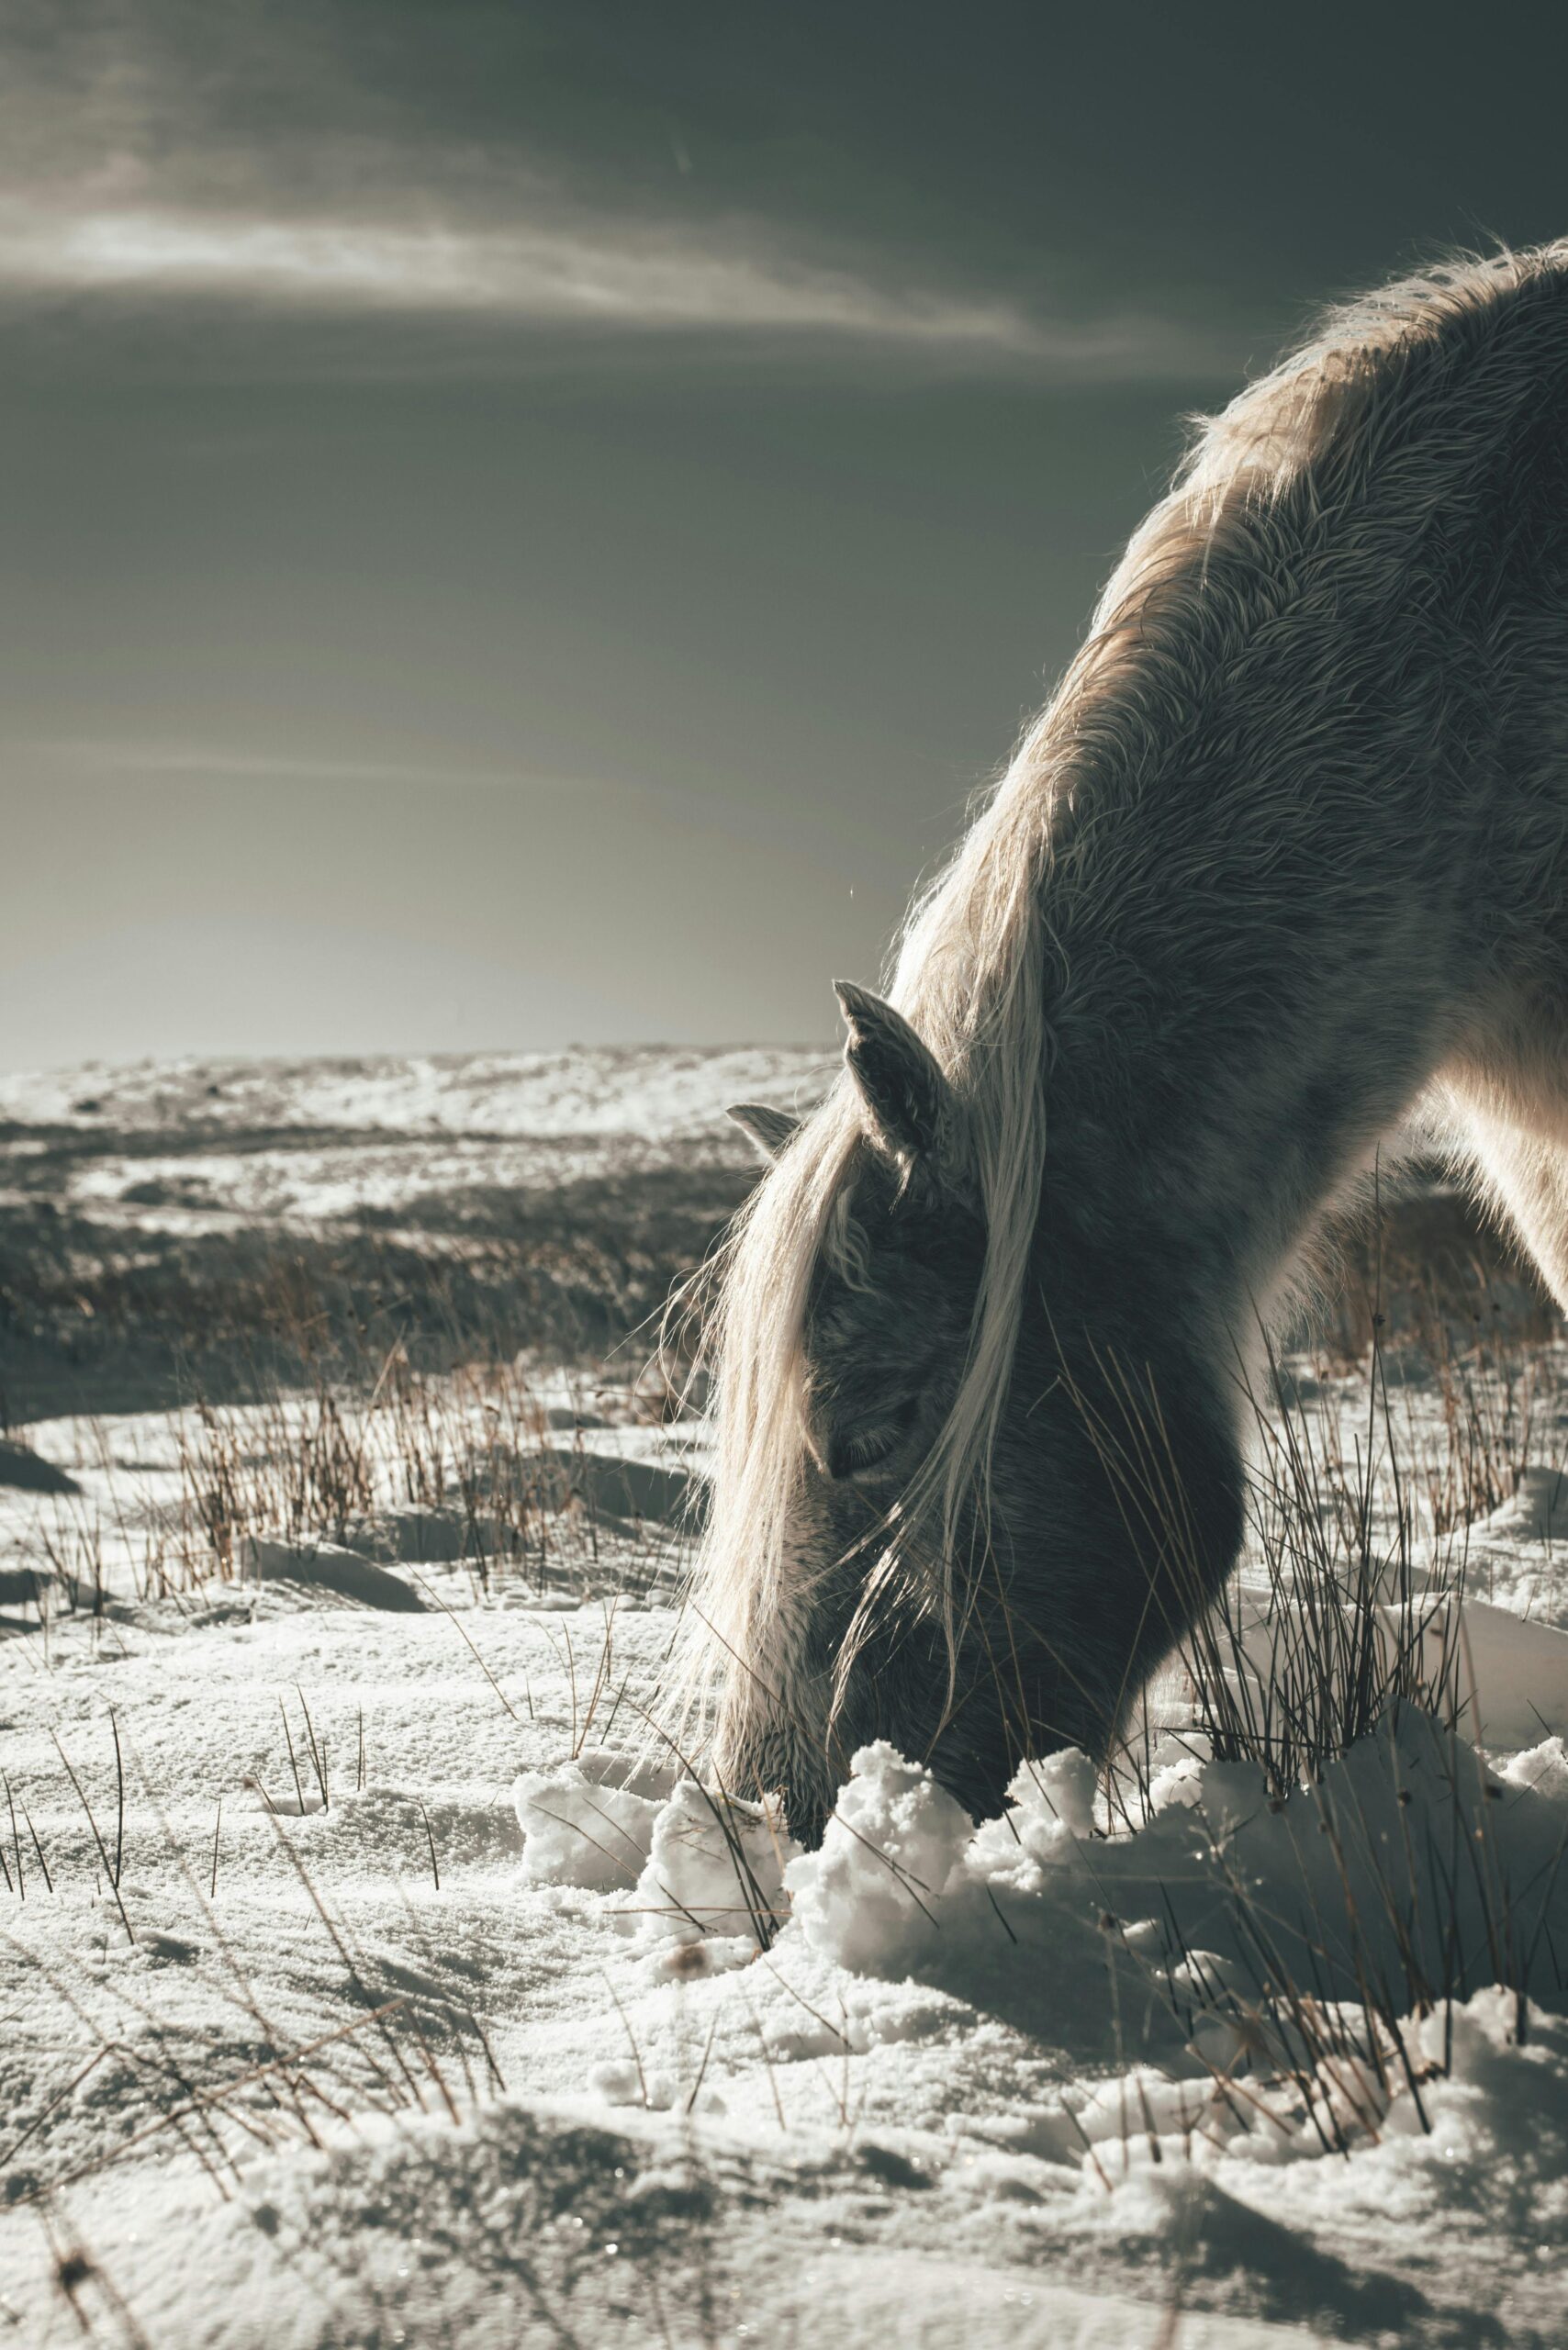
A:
x,y
1519,1147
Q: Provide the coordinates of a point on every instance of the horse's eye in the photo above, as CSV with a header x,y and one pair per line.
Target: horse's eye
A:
x,y
855,1451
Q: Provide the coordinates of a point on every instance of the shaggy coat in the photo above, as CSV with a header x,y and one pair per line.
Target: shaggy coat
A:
x,y
1285,854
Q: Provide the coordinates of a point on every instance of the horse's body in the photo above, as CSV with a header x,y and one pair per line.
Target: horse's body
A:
x,y
1288,850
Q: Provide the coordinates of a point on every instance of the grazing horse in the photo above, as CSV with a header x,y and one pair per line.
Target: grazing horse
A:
x,y
1285,854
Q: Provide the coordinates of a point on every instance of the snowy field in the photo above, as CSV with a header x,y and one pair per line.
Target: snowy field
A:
x,y
374,1974
251,1141
172,1226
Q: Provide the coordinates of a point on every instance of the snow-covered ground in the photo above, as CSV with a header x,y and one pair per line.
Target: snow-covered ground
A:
x,y
178,1222
633,2064
309,1140
372,1972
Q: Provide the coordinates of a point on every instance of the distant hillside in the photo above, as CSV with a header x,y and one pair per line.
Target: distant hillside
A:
x,y
182,1223
600,1089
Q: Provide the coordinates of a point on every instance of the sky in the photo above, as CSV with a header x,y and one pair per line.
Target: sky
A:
x,y
527,522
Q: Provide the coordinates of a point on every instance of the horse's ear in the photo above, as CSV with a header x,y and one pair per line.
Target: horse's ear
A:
x,y
906,1097
766,1129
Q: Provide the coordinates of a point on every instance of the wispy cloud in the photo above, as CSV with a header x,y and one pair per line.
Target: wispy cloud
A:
x,y
158,159
217,763
105,761
363,173
626,275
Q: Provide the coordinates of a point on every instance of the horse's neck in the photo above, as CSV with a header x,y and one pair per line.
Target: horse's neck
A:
x,y
1258,975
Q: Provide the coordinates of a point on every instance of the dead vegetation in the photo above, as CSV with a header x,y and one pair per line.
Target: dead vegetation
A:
x,y
98,1316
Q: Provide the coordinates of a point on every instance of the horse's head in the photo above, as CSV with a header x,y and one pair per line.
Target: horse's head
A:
x,y
956,1571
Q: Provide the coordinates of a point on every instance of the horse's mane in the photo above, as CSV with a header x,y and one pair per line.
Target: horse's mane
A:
x,y
978,967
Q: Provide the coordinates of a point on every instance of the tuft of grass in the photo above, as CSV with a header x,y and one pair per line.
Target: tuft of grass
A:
x,y
394,2052
1342,1635
1341,1612
468,1469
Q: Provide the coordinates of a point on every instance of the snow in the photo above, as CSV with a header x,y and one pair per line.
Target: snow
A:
x,y
309,1141
583,1824
1161,1924
372,1972
714,1875
997,2084
604,1090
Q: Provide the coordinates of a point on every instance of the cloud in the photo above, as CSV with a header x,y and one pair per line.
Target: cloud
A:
x,y
109,762
218,764
581,274
162,162
595,274
403,187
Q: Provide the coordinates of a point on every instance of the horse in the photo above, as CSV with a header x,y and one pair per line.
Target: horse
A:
x,y
1282,858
